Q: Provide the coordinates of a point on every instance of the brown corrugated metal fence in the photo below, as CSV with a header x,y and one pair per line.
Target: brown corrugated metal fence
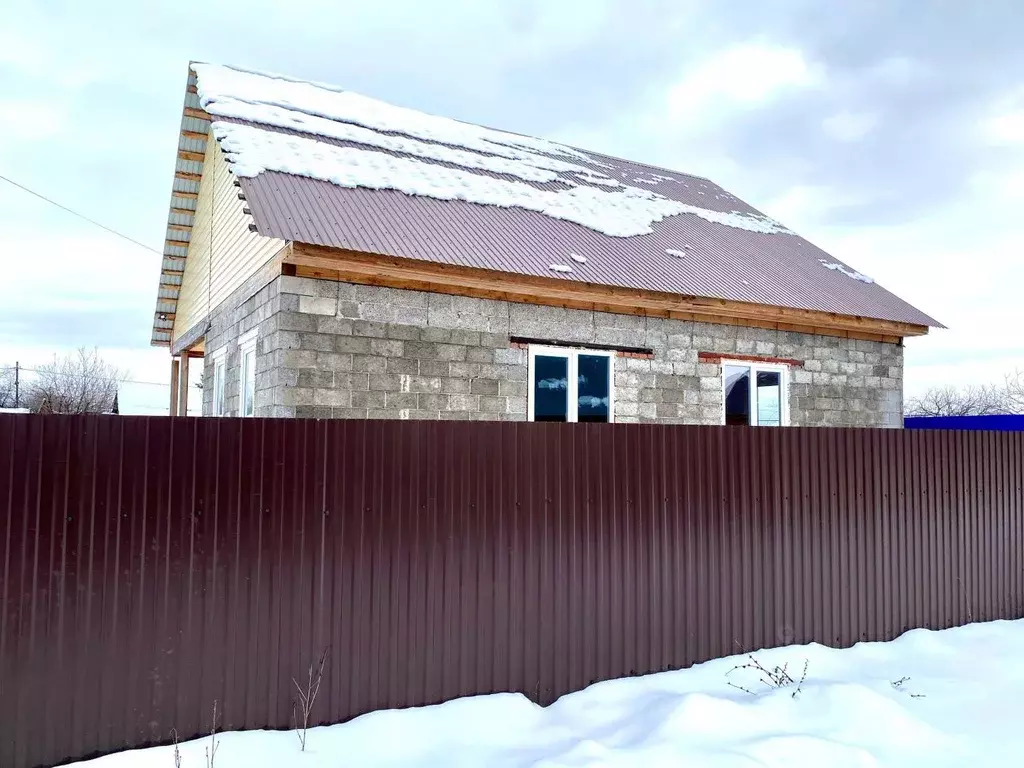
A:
x,y
151,566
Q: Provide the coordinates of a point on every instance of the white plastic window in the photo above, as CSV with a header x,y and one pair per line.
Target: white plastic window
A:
x,y
247,374
219,359
756,394
571,385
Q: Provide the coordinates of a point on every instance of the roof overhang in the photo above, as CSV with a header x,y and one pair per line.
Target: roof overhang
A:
x,y
415,274
188,173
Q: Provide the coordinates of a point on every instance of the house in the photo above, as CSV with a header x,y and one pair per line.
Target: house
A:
x,y
330,255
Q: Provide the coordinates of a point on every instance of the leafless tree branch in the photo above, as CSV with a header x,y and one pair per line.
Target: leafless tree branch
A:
x,y
1014,395
80,382
957,401
6,386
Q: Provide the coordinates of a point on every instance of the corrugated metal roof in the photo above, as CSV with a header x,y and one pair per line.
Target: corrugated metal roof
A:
x,y
721,261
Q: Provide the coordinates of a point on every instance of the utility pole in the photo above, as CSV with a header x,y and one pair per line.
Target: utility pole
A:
x,y
17,384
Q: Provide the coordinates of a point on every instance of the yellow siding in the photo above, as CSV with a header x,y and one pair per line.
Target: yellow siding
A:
x,y
237,252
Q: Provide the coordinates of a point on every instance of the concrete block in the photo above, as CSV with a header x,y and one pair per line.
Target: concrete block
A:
x,y
450,352
517,405
403,332
490,404
369,329
315,378
626,408
709,370
351,344
334,361
421,349
399,364
436,334
485,386
637,364
513,388
316,305
455,386
316,341
681,356
497,340
434,367
296,321
369,364
464,402
295,358
510,356
295,396
385,382
480,355
655,395
392,414
348,309
424,384
401,399
432,402
387,347
340,398
368,399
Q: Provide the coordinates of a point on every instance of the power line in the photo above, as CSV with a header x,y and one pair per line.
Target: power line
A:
x,y
23,188
98,378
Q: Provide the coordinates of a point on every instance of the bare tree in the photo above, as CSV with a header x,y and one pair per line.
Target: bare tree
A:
x,y
6,386
79,382
1014,394
958,401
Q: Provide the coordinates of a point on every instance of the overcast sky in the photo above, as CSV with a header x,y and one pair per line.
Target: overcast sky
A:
x,y
888,132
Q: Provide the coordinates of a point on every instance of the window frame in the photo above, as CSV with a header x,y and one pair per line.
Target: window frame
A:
x,y
571,354
246,344
755,367
220,370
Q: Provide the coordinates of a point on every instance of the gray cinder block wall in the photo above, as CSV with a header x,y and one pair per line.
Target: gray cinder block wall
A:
x,y
336,350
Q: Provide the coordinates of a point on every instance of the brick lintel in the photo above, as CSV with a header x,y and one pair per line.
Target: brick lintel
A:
x,y
642,353
717,357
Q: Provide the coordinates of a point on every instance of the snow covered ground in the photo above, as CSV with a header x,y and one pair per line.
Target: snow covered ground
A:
x,y
950,698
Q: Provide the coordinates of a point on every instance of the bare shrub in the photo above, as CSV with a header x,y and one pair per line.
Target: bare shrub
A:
x,y
177,752
898,686
773,679
303,707
211,749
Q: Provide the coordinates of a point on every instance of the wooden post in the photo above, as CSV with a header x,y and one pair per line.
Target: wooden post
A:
x,y
174,387
183,385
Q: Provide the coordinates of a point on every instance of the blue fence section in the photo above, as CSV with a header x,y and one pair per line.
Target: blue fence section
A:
x,y
1010,423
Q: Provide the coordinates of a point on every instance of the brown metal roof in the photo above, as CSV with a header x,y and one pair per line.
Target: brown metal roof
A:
x,y
721,261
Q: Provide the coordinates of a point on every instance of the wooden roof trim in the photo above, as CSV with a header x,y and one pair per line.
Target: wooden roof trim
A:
x,y
375,269
174,231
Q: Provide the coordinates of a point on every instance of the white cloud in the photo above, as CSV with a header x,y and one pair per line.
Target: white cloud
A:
x,y
741,76
1005,129
849,126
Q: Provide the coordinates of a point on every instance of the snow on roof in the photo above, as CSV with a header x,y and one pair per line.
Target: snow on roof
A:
x,y
837,267
583,195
